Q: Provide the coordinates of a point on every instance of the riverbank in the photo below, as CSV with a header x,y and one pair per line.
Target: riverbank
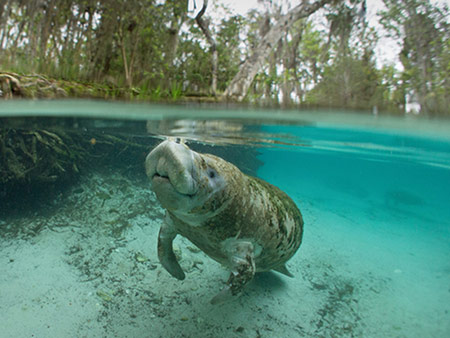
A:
x,y
38,86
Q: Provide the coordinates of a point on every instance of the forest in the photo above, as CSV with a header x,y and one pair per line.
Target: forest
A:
x,y
318,53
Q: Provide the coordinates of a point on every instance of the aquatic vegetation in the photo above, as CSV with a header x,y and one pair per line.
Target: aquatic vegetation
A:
x,y
38,161
175,91
104,296
103,195
36,156
140,257
156,94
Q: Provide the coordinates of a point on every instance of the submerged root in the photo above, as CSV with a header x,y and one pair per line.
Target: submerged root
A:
x,y
36,163
34,156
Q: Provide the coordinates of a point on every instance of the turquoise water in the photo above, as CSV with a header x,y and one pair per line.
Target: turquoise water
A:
x,y
380,201
374,192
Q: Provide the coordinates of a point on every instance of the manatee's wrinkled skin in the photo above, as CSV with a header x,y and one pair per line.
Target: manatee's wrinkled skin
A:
x,y
240,221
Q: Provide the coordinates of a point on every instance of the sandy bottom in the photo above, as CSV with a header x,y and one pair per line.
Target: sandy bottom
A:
x,y
86,266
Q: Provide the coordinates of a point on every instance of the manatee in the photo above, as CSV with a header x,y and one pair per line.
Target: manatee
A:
x,y
242,222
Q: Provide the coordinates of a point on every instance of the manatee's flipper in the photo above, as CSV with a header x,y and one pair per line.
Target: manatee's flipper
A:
x,y
165,251
283,269
240,254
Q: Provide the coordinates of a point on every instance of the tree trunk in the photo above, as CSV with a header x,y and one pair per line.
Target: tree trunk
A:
x,y
179,15
215,57
46,27
3,22
290,79
125,64
238,87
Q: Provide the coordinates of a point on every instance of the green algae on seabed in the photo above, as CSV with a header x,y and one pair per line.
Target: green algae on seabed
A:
x,y
140,257
104,295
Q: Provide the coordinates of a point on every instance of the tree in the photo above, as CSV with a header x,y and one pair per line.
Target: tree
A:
x,y
349,77
423,29
150,48
313,56
240,84
229,48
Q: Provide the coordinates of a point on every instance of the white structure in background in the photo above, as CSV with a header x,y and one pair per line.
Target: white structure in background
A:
x,y
412,106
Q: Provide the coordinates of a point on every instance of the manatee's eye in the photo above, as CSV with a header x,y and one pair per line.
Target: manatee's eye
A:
x,y
211,173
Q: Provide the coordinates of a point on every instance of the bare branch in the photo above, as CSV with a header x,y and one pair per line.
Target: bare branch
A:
x,y
204,26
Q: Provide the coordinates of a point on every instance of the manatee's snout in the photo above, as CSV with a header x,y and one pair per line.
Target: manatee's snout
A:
x,y
170,166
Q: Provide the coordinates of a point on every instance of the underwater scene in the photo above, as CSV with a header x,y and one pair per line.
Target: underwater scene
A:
x,y
79,222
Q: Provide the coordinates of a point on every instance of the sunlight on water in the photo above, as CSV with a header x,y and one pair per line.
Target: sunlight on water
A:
x,y
374,192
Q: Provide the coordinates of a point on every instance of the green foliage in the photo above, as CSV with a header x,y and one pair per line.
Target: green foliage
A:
x,y
424,31
228,40
175,91
313,53
349,82
153,50
156,94
194,62
342,71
